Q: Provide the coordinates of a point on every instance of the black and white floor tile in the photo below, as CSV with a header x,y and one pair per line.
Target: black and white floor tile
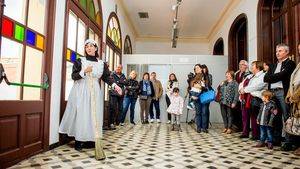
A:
x,y
155,146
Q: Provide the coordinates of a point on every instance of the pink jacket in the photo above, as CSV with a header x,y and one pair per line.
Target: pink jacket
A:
x,y
176,105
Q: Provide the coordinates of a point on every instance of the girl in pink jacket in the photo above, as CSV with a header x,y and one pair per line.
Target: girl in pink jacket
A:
x,y
175,108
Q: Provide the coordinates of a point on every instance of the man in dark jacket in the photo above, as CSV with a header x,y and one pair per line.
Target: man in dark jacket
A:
x,y
116,100
278,79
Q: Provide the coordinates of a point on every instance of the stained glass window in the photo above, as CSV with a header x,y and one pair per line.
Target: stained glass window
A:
x,y
113,32
127,46
92,9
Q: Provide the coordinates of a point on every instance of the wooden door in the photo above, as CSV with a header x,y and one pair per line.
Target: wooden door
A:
x,y
26,54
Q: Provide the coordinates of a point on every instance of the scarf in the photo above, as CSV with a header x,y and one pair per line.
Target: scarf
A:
x,y
147,87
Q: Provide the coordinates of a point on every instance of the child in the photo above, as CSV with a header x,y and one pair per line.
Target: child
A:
x,y
265,119
175,108
194,95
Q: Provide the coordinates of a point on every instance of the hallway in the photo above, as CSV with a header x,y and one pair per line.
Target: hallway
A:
x,y
154,146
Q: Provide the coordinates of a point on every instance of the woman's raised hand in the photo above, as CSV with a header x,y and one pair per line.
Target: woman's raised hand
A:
x,y
88,69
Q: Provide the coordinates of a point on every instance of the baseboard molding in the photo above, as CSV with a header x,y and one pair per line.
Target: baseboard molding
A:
x,y
54,145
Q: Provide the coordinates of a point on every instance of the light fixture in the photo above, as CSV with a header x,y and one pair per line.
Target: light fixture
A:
x,y
175,29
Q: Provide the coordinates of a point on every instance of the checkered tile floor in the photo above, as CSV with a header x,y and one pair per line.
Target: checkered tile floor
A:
x,y
154,146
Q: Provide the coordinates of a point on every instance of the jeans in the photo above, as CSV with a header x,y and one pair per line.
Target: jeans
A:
x,y
115,109
226,112
201,115
284,110
128,101
266,133
157,109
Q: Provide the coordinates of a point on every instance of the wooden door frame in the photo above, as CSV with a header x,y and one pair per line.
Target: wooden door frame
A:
x,y
232,52
76,8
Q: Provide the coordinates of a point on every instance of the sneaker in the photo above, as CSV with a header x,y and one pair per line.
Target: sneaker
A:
x,y
158,121
122,124
112,127
151,120
169,122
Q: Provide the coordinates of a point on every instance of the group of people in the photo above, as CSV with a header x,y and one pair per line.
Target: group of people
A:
x,y
261,96
264,96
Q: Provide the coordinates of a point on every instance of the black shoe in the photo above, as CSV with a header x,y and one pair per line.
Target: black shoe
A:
x,y
199,131
205,130
244,136
286,147
78,145
89,144
133,123
146,122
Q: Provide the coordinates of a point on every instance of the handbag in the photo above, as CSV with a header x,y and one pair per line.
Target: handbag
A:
x,y
218,96
207,97
292,125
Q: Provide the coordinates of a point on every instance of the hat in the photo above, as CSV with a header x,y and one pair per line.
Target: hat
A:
x,y
92,41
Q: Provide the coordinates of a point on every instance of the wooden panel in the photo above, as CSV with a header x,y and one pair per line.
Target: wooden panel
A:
x,y
9,133
33,128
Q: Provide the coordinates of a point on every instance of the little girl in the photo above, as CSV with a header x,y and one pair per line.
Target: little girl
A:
x,y
175,108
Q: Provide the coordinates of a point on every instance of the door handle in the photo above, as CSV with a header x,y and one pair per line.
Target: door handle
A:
x,y
3,76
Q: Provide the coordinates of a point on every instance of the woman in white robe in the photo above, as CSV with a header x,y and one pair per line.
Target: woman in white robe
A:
x,y
78,118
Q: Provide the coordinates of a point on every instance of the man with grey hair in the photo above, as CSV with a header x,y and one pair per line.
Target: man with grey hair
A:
x,y
278,79
239,76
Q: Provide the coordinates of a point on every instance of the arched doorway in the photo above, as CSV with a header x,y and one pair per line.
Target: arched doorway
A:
x,y
113,55
83,20
219,47
127,45
27,28
278,22
238,42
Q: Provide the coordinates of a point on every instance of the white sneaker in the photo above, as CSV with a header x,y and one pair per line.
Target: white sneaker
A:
x,y
158,121
151,120
121,124
169,122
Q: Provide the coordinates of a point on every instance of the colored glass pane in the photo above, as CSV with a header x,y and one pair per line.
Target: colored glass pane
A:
x,y
39,42
68,55
7,27
92,10
30,37
83,3
73,56
98,18
19,32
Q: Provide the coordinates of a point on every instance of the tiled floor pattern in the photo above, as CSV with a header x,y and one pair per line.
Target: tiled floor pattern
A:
x,y
155,146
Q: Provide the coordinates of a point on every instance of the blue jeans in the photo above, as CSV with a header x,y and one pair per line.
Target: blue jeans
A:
x,y
128,101
201,118
266,133
157,109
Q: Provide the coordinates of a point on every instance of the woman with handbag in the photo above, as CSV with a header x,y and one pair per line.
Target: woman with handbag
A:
x,y
146,92
229,98
292,125
208,83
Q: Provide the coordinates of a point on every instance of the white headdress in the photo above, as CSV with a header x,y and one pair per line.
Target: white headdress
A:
x,y
92,41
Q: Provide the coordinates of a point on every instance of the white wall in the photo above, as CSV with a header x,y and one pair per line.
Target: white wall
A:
x,y
56,70
108,6
161,47
181,65
248,7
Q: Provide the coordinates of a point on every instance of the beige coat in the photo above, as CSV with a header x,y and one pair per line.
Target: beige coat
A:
x,y
293,95
157,88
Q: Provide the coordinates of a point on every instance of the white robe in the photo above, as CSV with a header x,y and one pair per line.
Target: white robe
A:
x,y
77,120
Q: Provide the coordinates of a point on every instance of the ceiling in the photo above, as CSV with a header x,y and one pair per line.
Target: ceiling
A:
x,y
197,18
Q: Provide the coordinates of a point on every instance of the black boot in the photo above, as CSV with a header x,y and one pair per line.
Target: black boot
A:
x,y
173,127
89,144
78,145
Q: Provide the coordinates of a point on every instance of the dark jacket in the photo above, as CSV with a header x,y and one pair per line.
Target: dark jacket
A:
x,y
141,88
270,113
284,75
120,80
132,88
77,66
